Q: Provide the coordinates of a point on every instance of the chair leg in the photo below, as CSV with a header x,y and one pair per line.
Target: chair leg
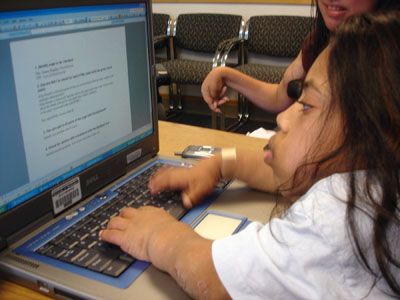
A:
x,y
239,119
178,88
243,114
222,116
171,97
240,107
246,109
213,120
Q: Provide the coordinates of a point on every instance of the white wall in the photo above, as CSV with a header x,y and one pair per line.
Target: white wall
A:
x,y
246,10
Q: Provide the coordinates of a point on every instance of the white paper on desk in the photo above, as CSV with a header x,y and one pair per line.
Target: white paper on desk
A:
x,y
262,133
216,226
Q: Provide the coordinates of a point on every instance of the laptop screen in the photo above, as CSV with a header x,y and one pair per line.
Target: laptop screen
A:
x,y
75,89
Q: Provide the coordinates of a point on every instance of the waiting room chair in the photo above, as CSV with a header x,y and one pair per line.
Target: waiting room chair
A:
x,y
161,35
271,43
196,38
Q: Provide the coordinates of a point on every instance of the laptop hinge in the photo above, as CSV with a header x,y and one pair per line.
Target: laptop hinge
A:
x,y
3,243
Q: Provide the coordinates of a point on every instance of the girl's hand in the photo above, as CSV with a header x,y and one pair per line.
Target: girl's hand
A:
x,y
195,183
151,234
133,229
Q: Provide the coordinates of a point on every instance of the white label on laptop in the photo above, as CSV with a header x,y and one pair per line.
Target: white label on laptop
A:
x,y
66,195
133,156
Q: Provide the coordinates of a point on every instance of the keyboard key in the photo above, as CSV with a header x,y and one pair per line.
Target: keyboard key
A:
x,y
79,235
86,258
116,268
100,263
44,248
126,257
86,243
55,252
108,250
68,243
72,254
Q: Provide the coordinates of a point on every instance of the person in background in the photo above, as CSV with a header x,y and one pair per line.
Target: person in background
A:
x,y
273,97
336,161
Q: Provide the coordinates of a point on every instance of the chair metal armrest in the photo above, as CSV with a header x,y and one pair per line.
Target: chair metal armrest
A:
x,y
218,52
228,47
221,49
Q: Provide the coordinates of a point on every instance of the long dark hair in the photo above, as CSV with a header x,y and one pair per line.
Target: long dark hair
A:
x,y
319,38
364,72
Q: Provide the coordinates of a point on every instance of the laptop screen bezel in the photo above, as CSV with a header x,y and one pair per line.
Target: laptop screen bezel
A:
x,y
105,171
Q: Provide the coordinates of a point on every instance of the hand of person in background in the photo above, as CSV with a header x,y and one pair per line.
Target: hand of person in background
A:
x,y
214,89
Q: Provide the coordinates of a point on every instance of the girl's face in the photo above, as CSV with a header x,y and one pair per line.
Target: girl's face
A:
x,y
335,11
301,127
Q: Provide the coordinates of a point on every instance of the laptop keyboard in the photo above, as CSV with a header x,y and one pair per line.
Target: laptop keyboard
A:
x,y
80,244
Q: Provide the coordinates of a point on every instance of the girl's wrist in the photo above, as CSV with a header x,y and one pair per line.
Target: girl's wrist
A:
x,y
228,162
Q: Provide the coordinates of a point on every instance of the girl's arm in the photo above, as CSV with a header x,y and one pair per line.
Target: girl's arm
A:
x,y
151,234
199,181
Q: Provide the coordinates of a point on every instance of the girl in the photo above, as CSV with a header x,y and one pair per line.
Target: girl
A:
x,y
336,158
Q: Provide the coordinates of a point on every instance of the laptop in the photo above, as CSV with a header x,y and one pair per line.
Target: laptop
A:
x,y
78,126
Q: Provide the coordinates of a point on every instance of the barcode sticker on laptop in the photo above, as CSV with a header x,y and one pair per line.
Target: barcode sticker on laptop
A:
x,y
66,195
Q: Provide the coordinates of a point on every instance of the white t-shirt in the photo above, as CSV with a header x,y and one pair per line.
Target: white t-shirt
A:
x,y
305,254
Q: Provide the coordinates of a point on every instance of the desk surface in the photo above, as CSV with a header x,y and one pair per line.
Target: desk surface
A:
x,y
173,137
